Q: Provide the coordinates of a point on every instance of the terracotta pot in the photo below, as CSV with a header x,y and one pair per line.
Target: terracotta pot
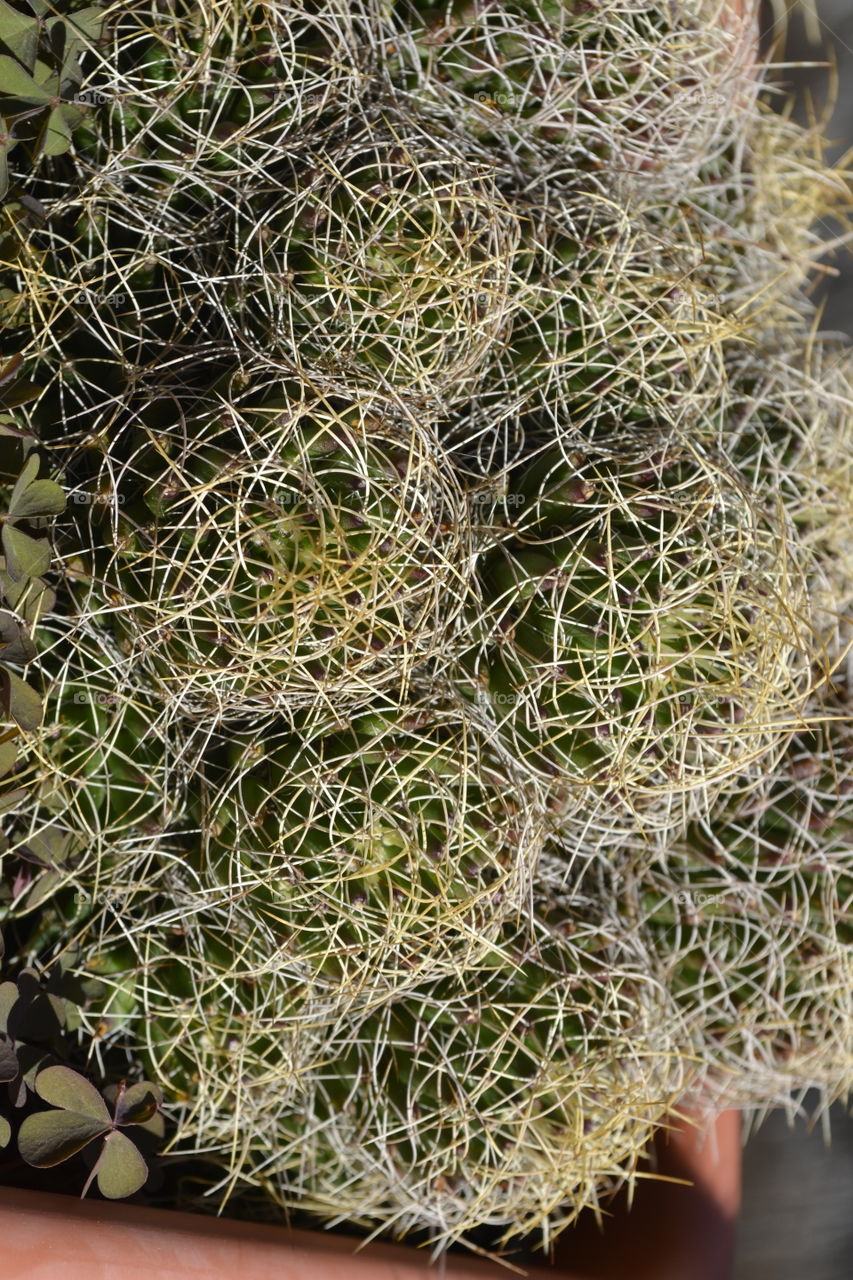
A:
x,y
674,1231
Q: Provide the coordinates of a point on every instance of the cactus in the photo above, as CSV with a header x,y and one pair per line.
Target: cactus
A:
x,y
647,643
463,1101
383,261
358,857
751,925
418,837
288,552
444,758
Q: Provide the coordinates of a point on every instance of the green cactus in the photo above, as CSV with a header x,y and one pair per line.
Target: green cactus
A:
x,y
750,922
383,261
289,552
467,1100
440,768
647,643
387,850
356,859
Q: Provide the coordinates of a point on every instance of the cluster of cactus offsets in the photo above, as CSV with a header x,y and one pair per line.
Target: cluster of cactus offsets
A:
x,y
435,746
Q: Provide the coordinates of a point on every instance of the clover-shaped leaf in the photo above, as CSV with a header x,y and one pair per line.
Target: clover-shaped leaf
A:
x,y
49,1137
30,598
83,28
120,1168
81,1116
11,590
20,85
10,799
5,1132
41,498
29,470
15,643
31,1060
62,1087
36,1015
21,391
138,1105
37,600
56,138
8,996
56,32
11,367
48,847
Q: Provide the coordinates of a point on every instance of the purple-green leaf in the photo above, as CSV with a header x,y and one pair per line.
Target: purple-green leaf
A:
x,y
8,996
11,590
120,1169
19,33
29,471
20,703
8,756
19,394
13,364
41,498
8,1060
11,799
36,601
49,1137
15,643
62,1087
56,138
26,557
19,83
137,1104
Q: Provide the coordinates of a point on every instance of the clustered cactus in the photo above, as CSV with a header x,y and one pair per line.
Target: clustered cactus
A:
x,y
443,761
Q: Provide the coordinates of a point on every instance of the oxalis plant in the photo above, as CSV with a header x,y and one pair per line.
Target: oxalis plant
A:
x,y
427,710
38,1015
